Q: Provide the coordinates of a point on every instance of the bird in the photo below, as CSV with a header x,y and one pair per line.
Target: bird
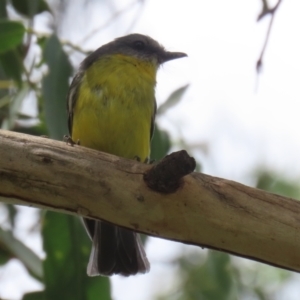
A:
x,y
111,107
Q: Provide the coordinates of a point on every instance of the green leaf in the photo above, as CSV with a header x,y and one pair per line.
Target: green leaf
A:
x,y
172,100
12,212
11,35
4,101
67,247
35,296
12,65
160,144
30,8
55,88
37,130
5,254
212,279
278,185
18,250
14,108
3,13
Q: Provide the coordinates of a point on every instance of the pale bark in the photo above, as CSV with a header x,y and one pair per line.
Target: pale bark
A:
x,y
206,211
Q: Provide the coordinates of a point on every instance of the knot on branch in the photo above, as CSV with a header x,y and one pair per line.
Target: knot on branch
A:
x,y
165,176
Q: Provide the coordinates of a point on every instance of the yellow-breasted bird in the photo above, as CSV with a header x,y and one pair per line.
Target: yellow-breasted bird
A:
x,y
111,108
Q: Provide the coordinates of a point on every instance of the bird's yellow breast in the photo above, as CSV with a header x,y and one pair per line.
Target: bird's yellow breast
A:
x,y
114,106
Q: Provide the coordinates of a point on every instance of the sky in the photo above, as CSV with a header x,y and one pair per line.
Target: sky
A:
x,y
235,119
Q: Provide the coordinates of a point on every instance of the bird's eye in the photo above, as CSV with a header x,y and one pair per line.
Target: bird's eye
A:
x,y
139,45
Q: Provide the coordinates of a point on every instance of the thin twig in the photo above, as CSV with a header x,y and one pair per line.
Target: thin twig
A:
x,y
266,11
75,47
109,21
63,42
93,32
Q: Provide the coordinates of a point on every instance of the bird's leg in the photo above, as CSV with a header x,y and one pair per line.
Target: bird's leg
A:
x,y
69,140
137,158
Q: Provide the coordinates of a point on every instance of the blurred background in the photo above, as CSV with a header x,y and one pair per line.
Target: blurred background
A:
x,y
235,111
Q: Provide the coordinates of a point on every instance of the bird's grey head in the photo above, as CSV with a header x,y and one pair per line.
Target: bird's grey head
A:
x,y
140,46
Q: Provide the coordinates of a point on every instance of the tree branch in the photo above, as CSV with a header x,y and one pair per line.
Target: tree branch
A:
x,y
206,211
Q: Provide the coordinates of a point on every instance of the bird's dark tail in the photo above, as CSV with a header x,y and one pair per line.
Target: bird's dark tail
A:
x,y
115,250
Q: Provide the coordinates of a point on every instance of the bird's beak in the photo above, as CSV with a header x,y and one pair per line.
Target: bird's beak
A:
x,y
166,56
